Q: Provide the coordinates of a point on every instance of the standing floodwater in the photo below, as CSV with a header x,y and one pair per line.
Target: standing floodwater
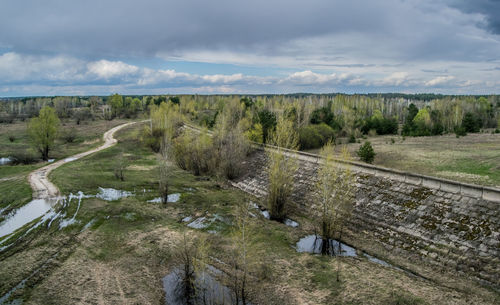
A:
x,y
207,289
313,244
26,214
5,161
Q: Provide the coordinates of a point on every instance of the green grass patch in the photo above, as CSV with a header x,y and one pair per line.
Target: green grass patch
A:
x,y
487,171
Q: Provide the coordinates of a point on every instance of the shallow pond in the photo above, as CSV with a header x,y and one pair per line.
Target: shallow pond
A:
x,y
45,207
208,289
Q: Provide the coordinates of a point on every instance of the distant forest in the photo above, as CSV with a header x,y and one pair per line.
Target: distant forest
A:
x,y
318,118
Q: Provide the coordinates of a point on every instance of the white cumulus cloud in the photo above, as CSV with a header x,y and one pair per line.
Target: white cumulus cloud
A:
x,y
108,69
440,80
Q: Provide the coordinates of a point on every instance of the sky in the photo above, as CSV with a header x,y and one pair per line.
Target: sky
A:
x,y
100,47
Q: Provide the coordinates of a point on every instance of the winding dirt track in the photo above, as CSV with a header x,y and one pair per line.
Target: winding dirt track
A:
x,y
39,179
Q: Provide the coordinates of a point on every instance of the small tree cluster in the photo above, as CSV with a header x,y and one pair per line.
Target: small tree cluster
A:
x,y
315,136
222,154
193,151
380,124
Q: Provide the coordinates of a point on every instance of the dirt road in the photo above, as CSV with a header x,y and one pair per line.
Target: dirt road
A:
x,y
39,181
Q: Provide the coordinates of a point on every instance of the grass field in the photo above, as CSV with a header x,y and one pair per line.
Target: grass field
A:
x,y
118,251
474,158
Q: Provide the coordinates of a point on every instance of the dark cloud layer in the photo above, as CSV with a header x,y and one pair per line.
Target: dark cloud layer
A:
x,y
489,8
323,45
407,30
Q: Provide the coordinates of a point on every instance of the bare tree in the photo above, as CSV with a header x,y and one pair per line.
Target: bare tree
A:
x,y
185,256
163,169
165,123
120,166
334,194
241,255
281,168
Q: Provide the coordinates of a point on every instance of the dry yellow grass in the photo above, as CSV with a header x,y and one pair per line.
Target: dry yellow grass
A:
x,y
474,158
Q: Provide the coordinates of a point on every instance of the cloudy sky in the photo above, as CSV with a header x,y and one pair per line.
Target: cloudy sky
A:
x,y
61,47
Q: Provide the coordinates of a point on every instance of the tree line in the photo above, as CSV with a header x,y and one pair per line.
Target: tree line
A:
x,y
317,119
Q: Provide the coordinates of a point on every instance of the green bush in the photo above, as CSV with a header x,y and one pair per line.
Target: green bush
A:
x,y
23,157
460,132
471,122
315,136
68,135
366,152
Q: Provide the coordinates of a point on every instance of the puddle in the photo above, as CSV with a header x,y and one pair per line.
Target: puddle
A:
x,y
199,223
313,243
44,207
171,198
51,160
208,289
204,222
130,216
291,223
66,222
5,161
266,215
26,214
88,225
187,219
70,159
1,210
110,194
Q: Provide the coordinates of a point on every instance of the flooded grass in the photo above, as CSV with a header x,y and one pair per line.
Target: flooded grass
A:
x,y
111,194
170,198
26,214
5,161
313,244
266,215
208,290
